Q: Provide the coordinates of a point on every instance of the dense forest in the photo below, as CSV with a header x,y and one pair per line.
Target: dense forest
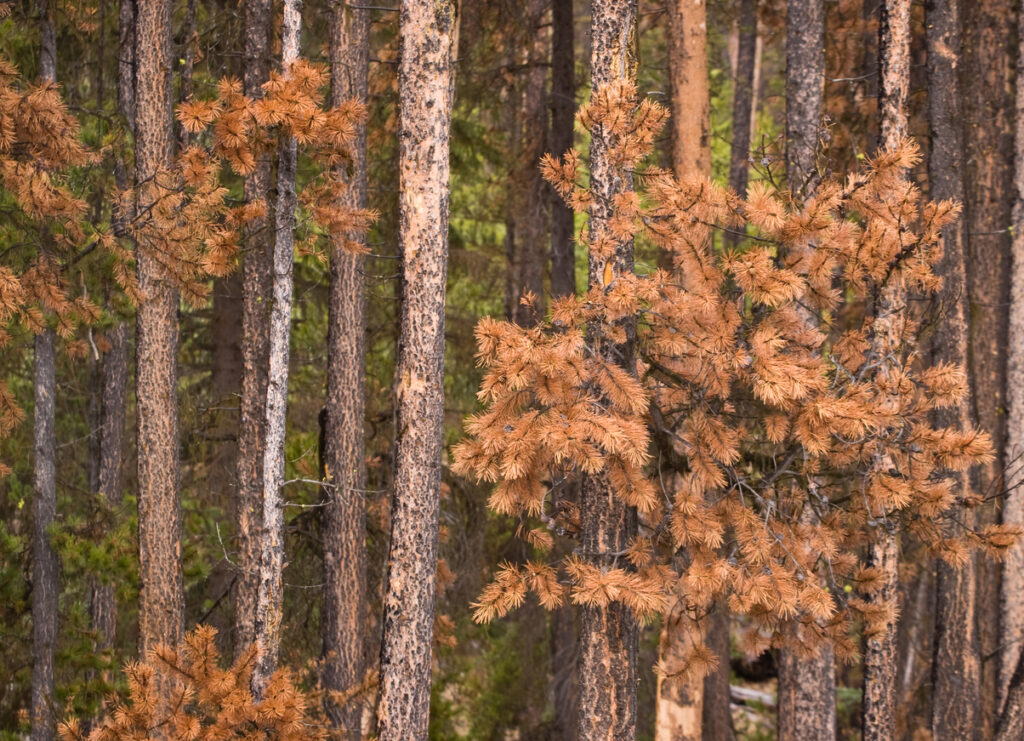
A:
x,y
511,369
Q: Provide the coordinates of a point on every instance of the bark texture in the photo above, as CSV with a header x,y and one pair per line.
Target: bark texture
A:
x,y
987,87
956,668
525,187
425,99
1012,603
880,657
344,516
608,635
679,705
743,97
45,565
807,697
270,594
126,61
563,112
688,86
805,80
113,409
161,600
256,286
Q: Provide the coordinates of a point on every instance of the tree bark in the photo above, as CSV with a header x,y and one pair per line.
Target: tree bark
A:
x,y
880,658
45,565
743,98
425,77
608,635
344,516
161,600
113,409
805,80
256,286
986,84
1012,602
269,594
956,669
563,111
806,696
688,85
126,62
525,186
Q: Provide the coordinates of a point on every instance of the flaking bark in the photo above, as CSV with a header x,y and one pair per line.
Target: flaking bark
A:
x,y
425,82
269,594
344,517
879,704
805,80
256,286
608,635
161,599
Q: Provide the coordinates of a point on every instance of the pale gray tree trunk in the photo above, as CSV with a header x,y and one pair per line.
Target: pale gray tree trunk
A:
x,y
270,595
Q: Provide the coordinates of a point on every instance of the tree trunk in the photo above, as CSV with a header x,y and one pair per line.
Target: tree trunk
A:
x,y
608,635
956,669
879,703
162,599
525,186
688,85
805,80
563,111
743,98
126,62
256,286
806,696
1012,627
986,84
425,80
269,594
344,516
113,409
45,566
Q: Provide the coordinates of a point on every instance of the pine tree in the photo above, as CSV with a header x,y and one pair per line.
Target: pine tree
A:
x,y
428,35
161,600
563,108
888,324
806,696
45,576
956,668
256,286
343,520
269,593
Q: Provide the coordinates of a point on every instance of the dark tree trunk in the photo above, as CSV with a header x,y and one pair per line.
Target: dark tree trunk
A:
x,y
805,80
806,697
525,186
113,409
425,87
743,98
161,600
608,635
256,286
45,566
563,111
344,516
956,669
986,84
716,714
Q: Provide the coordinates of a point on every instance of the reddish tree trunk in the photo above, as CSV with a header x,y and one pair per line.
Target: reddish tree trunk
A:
x,y
425,101
344,516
